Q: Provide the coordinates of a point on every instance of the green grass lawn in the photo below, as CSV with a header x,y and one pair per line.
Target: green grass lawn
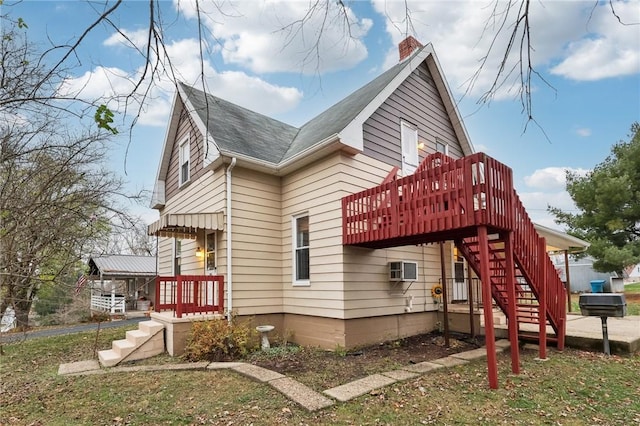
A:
x,y
570,388
632,288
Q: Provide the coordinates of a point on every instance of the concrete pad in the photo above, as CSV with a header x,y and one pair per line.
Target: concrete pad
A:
x,y
503,344
471,355
399,375
258,373
423,367
223,365
450,361
301,394
78,367
359,387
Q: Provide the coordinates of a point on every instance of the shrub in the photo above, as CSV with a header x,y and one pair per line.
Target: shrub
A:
x,y
220,340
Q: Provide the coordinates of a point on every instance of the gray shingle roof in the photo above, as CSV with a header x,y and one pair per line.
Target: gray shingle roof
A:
x,y
338,116
238,130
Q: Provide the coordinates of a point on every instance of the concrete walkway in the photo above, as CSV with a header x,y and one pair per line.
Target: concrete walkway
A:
x,y
292,389
585,332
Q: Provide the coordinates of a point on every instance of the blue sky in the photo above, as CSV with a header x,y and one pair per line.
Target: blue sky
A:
x,y
590,59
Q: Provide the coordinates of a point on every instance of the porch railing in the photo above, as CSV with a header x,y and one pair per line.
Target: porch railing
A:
x,y
106,303
190,294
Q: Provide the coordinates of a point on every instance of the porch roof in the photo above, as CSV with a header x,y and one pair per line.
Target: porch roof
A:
x,y
561,241
186,225
122,266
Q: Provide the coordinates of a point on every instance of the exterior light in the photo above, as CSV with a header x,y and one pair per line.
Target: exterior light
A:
x,y
421,145
199,252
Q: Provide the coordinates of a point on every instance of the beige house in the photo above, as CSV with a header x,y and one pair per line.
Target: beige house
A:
x,y
259,203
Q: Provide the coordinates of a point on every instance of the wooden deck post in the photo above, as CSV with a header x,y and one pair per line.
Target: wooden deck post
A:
x,y
542,298
512,321
487,302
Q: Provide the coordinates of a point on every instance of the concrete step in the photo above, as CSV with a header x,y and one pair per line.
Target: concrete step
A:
x,y
151,327
123,347
108,358
137,337
145,342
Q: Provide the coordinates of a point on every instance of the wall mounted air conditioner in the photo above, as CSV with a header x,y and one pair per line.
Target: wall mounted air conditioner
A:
x,y
403,271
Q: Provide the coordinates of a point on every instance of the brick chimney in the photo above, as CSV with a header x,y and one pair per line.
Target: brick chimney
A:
x,y
407,46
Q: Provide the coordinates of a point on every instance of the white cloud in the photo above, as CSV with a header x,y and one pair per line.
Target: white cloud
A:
x,y
583,131
114,84
537,203
551,178
137,38
268,36
609,50
462,33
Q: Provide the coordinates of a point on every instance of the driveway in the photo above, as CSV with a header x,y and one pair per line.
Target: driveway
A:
x,y
16,337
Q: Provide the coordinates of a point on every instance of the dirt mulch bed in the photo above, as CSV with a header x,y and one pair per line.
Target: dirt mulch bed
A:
x,y
323,369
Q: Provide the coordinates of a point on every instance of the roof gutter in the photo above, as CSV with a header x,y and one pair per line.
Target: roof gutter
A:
x,y
229,256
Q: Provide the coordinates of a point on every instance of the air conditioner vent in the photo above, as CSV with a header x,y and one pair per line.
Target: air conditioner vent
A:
x,y
403,271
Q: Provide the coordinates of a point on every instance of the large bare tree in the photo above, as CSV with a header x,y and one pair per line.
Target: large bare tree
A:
x,y
57,200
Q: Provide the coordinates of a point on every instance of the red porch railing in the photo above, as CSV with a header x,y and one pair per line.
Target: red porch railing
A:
x,y
442,196
190,294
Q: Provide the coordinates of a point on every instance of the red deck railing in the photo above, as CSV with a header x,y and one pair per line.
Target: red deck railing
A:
x,y
190,294
443,195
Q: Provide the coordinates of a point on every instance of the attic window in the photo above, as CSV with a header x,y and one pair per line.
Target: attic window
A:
x,y
185,161
442,147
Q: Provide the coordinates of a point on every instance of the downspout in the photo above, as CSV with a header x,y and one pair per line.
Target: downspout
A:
x,y
229,257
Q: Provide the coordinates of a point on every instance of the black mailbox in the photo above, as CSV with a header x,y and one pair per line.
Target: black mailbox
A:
x,y
603,305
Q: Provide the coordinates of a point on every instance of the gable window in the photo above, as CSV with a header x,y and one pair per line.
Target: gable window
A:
x,y
301,250
185,160
442,147
409,140
177,256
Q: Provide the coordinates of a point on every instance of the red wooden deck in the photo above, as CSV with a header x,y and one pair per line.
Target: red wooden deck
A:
x,y
443,200
472,202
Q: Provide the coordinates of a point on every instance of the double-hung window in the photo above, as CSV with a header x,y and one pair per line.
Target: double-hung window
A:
x,y
185,161
301,250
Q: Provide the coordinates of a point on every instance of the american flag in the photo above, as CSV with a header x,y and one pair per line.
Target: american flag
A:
x,y
82,280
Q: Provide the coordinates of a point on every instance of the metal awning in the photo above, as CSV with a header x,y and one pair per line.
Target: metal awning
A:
x,y
186,225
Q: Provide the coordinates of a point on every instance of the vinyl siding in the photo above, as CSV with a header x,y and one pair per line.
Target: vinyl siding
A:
x,y
315,190
257,242
418,102
368,291
186,126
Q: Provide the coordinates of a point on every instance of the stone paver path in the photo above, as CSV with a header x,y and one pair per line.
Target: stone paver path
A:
x,y
292,389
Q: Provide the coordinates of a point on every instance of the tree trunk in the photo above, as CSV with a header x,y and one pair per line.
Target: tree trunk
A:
x,y
22,314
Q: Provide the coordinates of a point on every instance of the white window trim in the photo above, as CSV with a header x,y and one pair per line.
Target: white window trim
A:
x,y
441,142
409,165
294,231
184,142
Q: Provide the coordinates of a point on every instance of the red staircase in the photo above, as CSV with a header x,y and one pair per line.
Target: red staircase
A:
x,y
465,200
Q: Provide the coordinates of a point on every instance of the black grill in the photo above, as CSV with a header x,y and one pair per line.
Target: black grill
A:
x,y
603,305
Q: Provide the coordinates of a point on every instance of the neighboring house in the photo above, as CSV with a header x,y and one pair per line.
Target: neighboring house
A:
x,y
121,283
582,273
632,274
260,203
